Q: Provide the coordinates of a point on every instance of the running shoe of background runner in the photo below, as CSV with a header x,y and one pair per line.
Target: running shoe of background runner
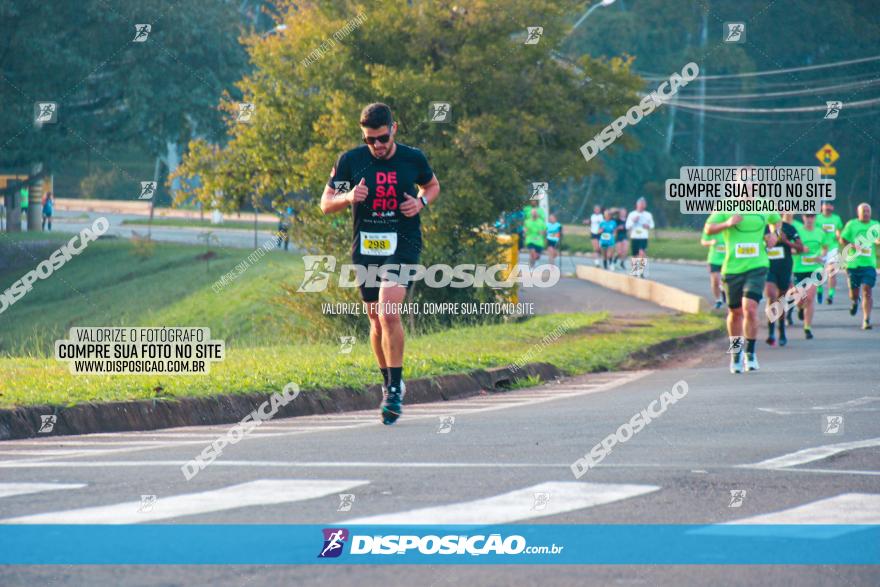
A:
x,y
751,362
736,363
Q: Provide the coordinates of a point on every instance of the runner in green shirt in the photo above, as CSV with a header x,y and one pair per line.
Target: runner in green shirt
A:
x,y
861,266
743,273
715,259
815,241
832,224
535,231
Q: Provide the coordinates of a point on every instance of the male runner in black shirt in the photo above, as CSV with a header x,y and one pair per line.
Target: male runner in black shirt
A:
x,y
779,274
381,176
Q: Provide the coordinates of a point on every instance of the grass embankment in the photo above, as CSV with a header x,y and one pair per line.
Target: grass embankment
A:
x,y
322,366
107,285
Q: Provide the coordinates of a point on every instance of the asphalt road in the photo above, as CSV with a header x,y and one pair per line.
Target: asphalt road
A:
x,y
760,433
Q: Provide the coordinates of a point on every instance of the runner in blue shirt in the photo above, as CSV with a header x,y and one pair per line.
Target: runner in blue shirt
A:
x,y
554,235
606,239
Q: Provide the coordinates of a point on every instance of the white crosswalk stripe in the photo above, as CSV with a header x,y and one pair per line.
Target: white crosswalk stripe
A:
x,y
520,504
817,453
254,493
827,517
10,489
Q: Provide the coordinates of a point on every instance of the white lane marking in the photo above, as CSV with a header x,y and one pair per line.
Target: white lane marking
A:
x,y
10,489
830,471
808,455
623,378
564,496
825,518
254,493
853,405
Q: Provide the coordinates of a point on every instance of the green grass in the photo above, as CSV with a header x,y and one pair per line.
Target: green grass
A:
x,y
196,223
676,247
108,285
29,381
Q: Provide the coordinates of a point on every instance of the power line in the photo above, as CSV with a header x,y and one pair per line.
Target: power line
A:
x,y
804,92
652,76
811,120
710,108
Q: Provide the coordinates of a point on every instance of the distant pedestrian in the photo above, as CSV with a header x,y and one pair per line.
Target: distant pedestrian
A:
x,y
283,231
48,209
535,229
606,239
620,238
554,236
639,223
595,220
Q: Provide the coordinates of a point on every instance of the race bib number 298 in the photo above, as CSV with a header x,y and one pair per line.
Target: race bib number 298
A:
x,y
379,244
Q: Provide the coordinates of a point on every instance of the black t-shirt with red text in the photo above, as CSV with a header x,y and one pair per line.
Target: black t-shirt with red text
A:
x,y
388,180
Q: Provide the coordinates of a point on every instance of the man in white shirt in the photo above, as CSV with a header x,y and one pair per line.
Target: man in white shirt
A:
x,y
639,222
595,220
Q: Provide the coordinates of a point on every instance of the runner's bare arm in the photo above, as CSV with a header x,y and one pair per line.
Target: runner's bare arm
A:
x,y
430,190
715,228
413,205
331,201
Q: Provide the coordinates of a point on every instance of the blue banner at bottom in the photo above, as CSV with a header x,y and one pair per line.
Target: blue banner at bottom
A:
x,y
510,544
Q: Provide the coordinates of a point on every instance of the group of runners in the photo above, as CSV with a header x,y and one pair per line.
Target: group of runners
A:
x,y
612,228
386,186
540,234
756,255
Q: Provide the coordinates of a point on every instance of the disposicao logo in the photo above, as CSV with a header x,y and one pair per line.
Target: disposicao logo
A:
x,y
334,540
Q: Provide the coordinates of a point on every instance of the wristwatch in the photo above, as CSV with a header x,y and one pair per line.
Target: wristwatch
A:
x,y
424,201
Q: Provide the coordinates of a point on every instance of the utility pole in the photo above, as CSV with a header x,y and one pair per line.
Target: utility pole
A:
x,y
701,116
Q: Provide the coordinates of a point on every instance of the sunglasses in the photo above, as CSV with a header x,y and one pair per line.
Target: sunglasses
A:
x,y
381,138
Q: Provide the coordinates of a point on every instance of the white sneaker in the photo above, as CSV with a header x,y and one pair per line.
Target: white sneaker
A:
x,y
596,262
736,363
752,362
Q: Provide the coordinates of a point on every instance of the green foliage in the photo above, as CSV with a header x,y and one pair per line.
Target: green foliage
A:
x,y
518,115
664,35
111,91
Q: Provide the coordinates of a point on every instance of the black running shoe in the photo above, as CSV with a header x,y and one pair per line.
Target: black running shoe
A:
x,y
392,406
854,307
866,325
830,299
808,333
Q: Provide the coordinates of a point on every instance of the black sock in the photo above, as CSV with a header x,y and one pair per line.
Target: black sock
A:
x,y
395,374
771,326
750,346
384,371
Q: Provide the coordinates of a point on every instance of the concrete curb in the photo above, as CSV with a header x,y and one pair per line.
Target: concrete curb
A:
x,y
90,418
650,259
645,289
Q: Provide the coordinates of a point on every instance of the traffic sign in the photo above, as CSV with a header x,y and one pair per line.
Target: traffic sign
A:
x,y
827,155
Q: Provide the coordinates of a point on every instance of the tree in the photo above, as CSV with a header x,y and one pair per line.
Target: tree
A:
x,y
109,89
518,113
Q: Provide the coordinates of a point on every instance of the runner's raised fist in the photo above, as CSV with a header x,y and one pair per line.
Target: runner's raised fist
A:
x,y
359,193
410,206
